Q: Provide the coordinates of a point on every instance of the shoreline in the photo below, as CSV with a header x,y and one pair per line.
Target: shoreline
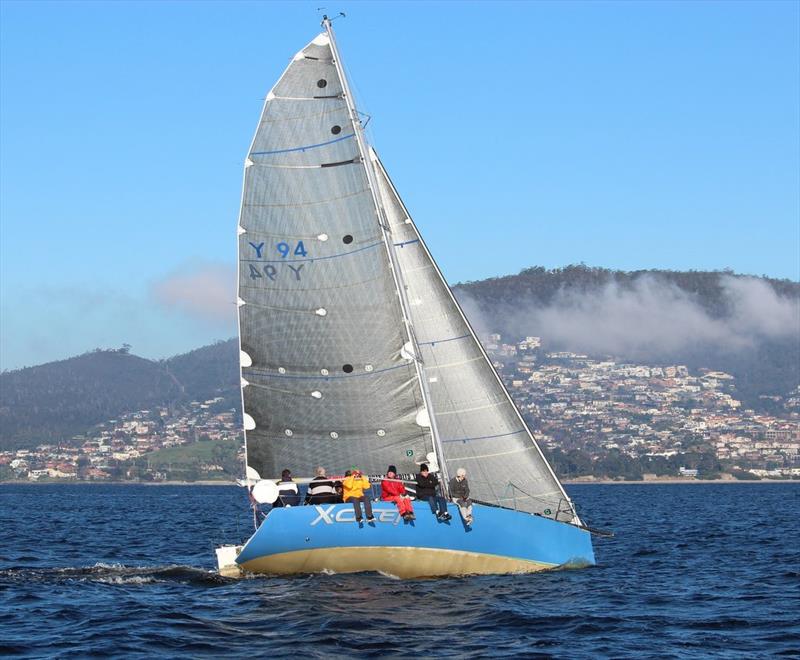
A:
x,y
669,481
76,482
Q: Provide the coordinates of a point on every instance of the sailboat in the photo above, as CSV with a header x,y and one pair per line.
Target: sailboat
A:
x,y
354,352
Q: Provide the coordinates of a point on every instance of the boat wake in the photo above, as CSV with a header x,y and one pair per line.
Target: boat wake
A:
x,y
116,574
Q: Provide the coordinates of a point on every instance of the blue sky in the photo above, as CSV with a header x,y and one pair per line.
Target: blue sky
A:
x,y
625,135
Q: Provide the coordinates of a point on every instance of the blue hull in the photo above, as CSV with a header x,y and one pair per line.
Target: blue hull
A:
x,y
310,539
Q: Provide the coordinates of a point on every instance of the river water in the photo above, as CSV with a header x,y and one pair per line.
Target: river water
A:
x,y
694,571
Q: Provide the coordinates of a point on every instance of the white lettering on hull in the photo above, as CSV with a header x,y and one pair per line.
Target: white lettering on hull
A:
x,y
325,515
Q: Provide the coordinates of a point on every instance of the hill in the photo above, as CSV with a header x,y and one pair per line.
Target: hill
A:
x,y
208,371
747,326
54,401
541,287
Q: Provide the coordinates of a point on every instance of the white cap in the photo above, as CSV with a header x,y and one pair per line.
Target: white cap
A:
x,y
461,472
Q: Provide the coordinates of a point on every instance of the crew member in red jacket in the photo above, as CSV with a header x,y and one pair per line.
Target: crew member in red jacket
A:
x,y
395,491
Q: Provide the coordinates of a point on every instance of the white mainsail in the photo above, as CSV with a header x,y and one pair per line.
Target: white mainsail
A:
x,y
354,349
324,381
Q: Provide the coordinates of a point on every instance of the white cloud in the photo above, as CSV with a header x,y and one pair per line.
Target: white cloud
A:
x,y
651,318
200,289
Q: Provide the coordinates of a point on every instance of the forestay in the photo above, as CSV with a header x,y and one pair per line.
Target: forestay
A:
x,y
325,381
478,424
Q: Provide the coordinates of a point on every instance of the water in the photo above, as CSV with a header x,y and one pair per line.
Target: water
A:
x,y
694,571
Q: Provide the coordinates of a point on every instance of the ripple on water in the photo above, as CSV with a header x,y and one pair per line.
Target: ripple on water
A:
x,y
694,571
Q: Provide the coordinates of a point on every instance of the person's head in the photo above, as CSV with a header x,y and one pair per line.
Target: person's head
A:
x,y
286,475
320,471
423,469
348,473
356,471
391,470
461,474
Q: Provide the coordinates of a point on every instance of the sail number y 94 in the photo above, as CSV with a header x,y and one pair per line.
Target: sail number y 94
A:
x,y
284,250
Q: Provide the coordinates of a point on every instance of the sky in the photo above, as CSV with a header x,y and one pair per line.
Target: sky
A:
x,y
626,135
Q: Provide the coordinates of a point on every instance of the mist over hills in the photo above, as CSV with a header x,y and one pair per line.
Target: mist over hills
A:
x,y
747,326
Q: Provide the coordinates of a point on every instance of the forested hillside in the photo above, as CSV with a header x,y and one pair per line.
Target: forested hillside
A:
x,y
542,286
52,402
208,371
746,326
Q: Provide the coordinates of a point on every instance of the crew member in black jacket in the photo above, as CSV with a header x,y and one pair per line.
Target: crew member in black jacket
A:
x,y
426,490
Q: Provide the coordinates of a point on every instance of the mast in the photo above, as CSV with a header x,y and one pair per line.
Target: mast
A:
x,y
390,251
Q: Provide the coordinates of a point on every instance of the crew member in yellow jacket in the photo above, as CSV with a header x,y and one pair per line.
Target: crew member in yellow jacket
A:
x,y
353,486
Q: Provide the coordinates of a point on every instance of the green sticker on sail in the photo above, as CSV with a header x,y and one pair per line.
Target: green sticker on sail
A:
x,y
409,452
547,512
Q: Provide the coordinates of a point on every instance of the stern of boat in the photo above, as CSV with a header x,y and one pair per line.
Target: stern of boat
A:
x,y
226,560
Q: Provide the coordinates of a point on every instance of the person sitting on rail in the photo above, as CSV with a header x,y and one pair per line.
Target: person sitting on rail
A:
x,y
288,494
321,490
393,490
459,491
426,490
354,486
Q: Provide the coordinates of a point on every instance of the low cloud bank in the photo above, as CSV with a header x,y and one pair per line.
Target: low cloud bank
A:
x,y
202,290
651,318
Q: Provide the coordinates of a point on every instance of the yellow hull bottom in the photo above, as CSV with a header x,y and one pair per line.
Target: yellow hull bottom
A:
x,y
398,561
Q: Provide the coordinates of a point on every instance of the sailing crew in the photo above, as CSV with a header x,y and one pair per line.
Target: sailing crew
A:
x,y
340,488
321,490
288,494
426,490
459,491
393,490
353,486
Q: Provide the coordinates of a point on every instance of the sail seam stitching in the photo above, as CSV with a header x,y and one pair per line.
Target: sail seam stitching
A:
x,y
313,203
372,373
441,341
310,146
485,437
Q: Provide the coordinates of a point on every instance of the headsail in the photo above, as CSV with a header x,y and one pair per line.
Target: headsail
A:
x,y
480,428
325,379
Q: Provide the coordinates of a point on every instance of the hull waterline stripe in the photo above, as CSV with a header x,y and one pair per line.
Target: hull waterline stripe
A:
x,y
305,148
401,561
